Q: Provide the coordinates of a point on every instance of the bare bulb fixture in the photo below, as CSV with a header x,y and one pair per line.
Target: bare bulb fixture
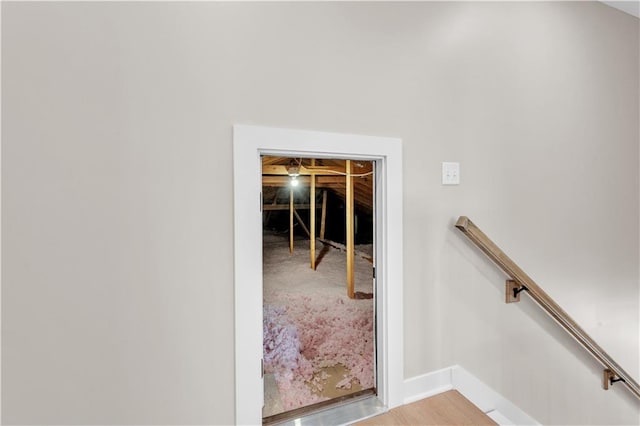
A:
x,y
293,170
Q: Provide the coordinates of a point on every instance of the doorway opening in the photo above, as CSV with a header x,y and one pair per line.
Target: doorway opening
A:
x,y
318,283
250,144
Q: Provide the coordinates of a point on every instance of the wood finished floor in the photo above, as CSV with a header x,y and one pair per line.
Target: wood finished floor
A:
x,y
447,408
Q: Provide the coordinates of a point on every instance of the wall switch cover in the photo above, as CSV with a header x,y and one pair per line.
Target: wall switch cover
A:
x,y
450,173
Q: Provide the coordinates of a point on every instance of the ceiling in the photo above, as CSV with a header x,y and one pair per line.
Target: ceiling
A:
x,y
632,7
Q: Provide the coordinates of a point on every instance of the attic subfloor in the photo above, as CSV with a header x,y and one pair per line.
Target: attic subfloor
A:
x,y
318,343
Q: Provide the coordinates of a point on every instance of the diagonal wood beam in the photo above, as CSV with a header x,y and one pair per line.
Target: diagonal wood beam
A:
x,y
301,222
324,213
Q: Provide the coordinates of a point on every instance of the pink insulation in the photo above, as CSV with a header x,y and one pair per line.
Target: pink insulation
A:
x,y
309,322
311,331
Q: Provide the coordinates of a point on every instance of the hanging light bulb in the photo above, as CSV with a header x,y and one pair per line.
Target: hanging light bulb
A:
x,y
293,170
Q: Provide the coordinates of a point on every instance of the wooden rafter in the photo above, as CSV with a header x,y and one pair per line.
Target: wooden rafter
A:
x,y
277,170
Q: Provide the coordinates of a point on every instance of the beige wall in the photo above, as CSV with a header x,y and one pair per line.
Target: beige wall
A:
x,y
117,283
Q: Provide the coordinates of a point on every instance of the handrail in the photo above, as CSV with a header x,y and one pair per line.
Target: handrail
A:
x,y
520,281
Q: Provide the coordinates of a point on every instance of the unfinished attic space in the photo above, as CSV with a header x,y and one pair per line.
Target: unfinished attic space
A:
x,y
318,272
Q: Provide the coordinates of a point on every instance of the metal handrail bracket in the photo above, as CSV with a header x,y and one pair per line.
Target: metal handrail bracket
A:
x,y
519,282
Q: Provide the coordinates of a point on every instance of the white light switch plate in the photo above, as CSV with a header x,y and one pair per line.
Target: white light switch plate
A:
x,y
450,173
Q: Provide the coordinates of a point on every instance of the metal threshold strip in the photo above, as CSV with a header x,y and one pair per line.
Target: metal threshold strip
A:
x,y
338,411
520,282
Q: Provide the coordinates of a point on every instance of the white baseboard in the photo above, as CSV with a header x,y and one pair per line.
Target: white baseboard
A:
x,y
427,385
496,406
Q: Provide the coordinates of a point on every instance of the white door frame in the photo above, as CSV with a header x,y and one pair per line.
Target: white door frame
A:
x,y
249,143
